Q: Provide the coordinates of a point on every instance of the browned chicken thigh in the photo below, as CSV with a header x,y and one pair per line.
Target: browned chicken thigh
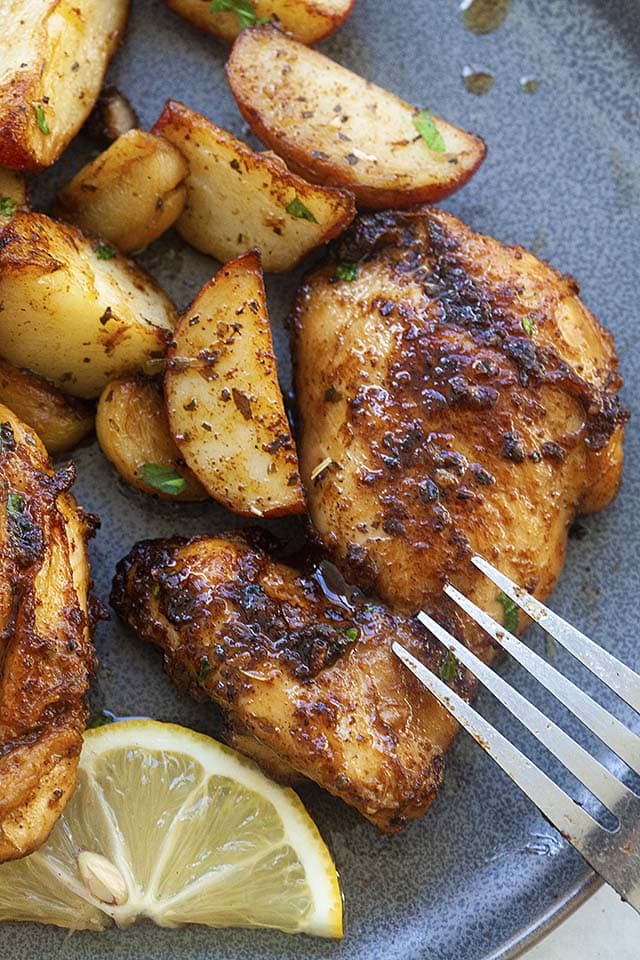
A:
x,y
455,397
46,655
312,681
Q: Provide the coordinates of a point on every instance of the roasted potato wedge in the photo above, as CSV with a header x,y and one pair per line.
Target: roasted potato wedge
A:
x,y
53,60
306,20
333,126
130,194
133,433
225,407
238,199
75,311
60,422
13,193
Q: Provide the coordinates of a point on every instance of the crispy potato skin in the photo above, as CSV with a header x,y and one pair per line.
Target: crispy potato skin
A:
x,y
130,194
237,199
307,20
46,655
71,317
332,126
55,55
60,422
469,401
342,711
226,411
132,429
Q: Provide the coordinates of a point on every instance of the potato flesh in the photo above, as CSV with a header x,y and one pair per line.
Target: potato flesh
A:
x,y
71,317
237,199
132,429
130,194
306,20
60,422
54,53
225,408
333,126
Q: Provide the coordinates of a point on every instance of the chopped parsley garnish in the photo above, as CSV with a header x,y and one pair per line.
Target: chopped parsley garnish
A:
x,y
205,669
449,668
351,633
347,271
164,479
527,326
510,618
7,206
104,251
243,10
297,209
15,504
41,119
101,719
429,132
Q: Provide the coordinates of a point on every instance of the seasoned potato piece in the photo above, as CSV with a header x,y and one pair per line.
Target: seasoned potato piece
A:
x,y
13,193
306,20
54,55
238,199
60,422
225,408
332,126
133,433
111,117
75,311
130,194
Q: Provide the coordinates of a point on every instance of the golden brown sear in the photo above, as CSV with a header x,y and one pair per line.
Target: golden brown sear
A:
x,y
46,655
466,402
310,677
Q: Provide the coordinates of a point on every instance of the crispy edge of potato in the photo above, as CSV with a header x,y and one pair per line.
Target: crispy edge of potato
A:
x,y
180,364
33,246
61,422
316,165
183,126
133,430
90,44
309,21
130,194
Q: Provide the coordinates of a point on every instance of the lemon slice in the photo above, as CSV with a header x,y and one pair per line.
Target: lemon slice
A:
x,y
171,825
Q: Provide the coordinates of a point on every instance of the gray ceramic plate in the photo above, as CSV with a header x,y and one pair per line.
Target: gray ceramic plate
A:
x,y
482,872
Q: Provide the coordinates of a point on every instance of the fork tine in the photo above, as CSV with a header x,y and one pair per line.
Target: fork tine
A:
x,y
614,734
566,816
581,764
615,674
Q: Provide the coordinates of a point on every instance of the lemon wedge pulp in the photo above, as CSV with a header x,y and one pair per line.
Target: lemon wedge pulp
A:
x,y
172,825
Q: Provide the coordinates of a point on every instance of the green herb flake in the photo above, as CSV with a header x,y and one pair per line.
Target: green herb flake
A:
x,y
449,667
15,504
297,209
164,479
243,9
41,120
510,618
205,669
351,633
527,326
8,206
427,129
101,719
347,271
370,607
105,252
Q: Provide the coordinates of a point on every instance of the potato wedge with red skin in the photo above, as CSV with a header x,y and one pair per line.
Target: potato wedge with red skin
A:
x,y
226,411
332,126
307,20
132,429
237,199
53,63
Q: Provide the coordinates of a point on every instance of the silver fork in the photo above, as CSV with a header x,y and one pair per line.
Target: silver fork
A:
x,y
614,854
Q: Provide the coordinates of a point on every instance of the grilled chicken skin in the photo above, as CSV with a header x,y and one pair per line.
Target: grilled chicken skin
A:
x,y
455,397
46,655
311,680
